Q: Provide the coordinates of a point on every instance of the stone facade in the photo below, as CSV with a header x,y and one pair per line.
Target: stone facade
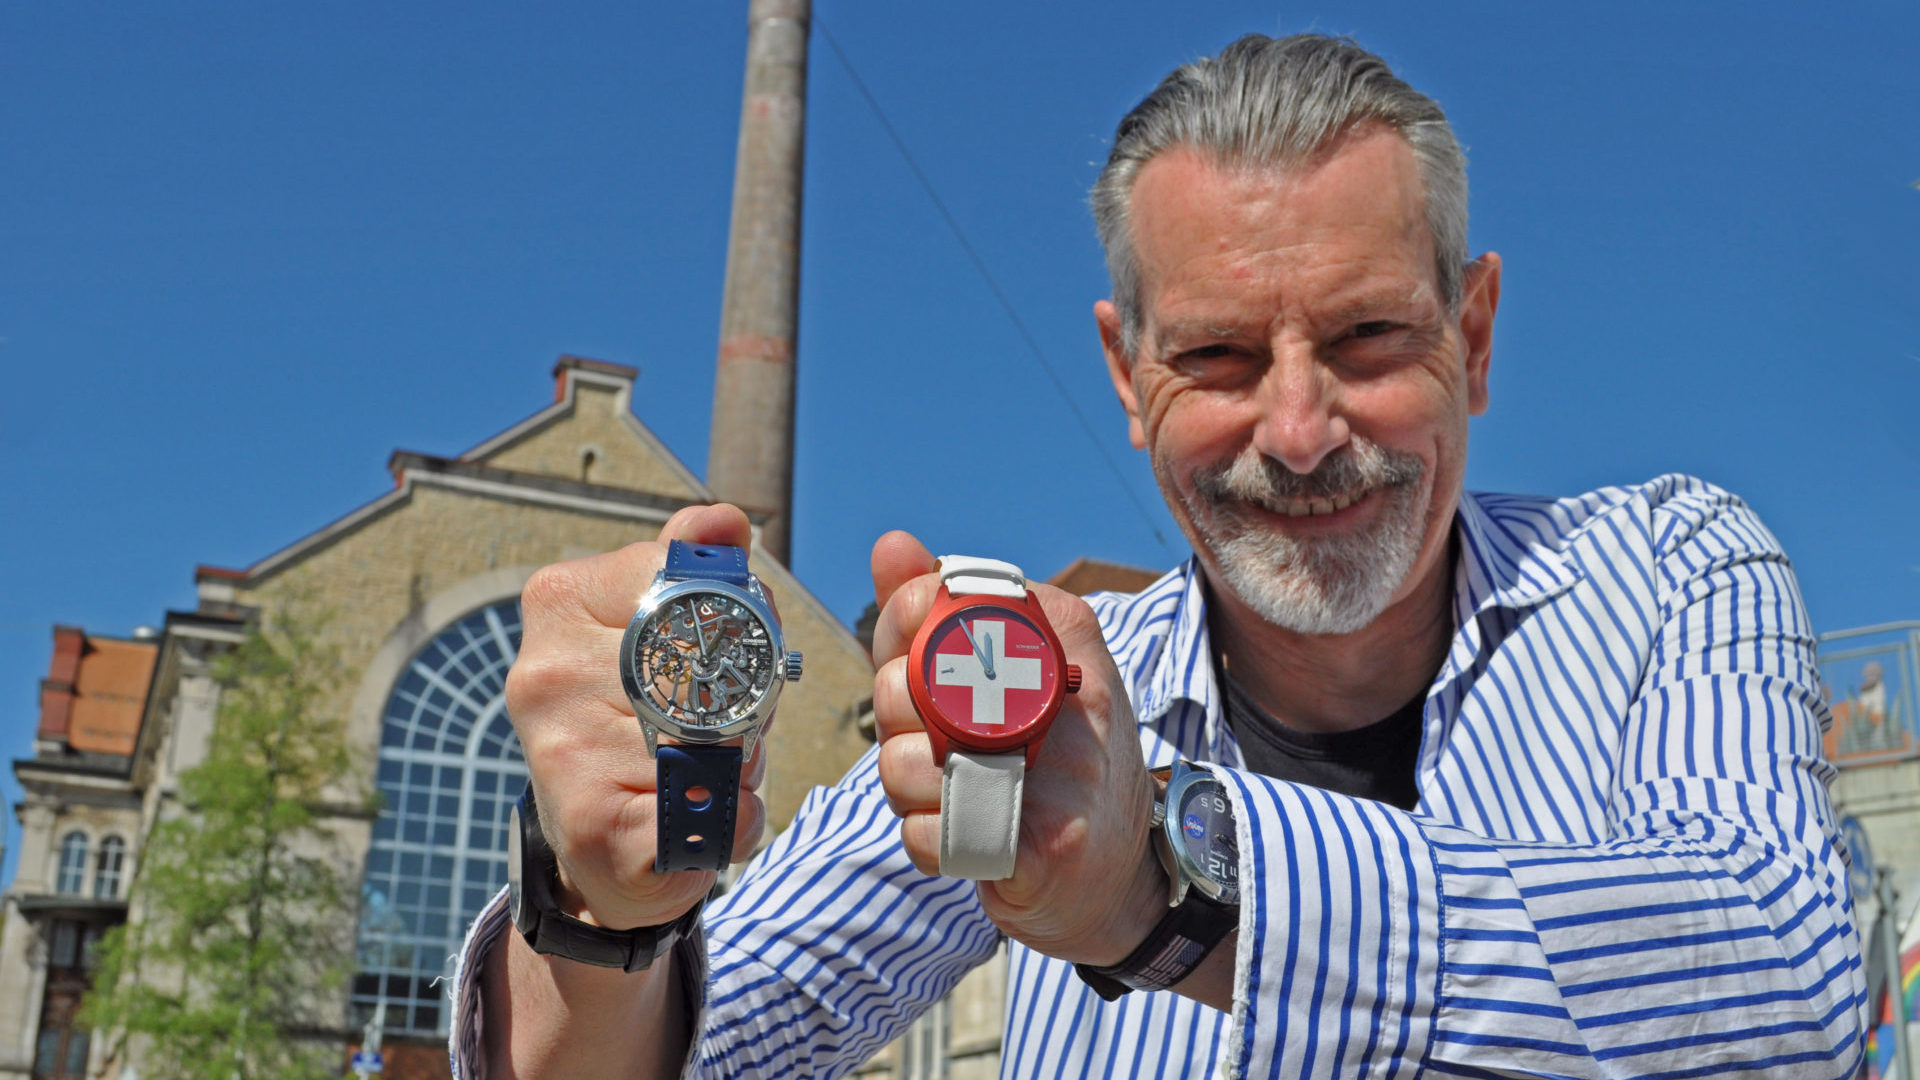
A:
x,y
80,822
453,536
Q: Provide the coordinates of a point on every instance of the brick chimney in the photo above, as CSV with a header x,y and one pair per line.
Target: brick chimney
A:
x,y
750,454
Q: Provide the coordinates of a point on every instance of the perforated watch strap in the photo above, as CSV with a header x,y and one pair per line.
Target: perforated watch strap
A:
x,y
706,562
967,575
697,835
980,814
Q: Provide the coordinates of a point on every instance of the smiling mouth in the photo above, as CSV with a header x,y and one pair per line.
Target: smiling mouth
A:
x,y
1320,507
1312,507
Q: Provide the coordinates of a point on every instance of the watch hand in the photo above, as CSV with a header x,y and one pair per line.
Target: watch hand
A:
x,y
984,656
699,631
989,657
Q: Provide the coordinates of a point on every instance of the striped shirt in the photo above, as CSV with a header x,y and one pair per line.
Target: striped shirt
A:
x,y
1623,862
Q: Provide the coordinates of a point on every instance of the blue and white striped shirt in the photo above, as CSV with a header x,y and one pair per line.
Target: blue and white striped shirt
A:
x,y
1623,862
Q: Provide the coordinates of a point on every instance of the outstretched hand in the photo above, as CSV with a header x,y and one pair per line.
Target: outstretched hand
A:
x,y
587,757
1085,886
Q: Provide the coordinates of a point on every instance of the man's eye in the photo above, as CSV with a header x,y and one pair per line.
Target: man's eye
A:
x,y
1372,329
1207,352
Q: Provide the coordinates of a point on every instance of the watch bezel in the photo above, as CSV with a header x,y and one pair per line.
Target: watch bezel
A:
x,y
945,607
664,592
1182,780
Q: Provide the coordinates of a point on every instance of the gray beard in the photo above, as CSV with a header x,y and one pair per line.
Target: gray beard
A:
x,y
1319,585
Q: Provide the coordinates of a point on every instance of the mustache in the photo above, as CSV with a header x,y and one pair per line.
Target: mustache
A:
x,y
1360,466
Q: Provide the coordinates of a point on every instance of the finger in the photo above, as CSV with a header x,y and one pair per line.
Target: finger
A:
x,y
920,836
721,523
609,586
1072,617
749,826
754,773
901,565
564,695
900,618
893,711
898,557
909,776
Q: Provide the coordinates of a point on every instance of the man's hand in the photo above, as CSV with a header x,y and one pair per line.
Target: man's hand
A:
x,y
584,748
1085,887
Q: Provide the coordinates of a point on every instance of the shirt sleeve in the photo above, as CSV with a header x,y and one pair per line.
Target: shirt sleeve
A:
x,y
1708,932
825,950
832,942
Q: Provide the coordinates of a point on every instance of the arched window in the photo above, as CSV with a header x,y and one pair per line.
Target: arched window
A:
x,y
106,871
450,770
73,864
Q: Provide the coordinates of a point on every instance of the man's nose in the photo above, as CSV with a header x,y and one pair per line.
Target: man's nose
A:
x,y
1300,422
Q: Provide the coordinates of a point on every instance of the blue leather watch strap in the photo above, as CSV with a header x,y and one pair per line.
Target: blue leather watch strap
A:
x,y
697,835
706,562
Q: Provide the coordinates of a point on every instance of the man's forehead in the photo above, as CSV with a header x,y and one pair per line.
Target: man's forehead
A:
x,y
1349,228
1209,317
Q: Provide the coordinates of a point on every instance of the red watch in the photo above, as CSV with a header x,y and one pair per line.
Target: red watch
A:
x,y
987,674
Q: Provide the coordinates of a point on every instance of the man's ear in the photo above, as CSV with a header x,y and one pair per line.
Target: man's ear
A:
x,y
1120,368
1477,309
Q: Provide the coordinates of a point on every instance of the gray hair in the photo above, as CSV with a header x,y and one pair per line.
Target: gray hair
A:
x,y
1279,103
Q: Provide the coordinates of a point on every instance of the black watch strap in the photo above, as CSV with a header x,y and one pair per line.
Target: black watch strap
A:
x,y
553,932
1183,938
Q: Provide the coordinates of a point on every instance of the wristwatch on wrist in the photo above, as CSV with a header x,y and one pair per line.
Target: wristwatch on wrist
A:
x,y
533,880
703,662
1193,836
987,674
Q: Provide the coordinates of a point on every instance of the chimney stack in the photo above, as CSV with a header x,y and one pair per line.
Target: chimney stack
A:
x,y
750,455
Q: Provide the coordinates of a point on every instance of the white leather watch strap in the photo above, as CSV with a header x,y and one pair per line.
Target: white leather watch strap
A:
x,y
966,575
980,814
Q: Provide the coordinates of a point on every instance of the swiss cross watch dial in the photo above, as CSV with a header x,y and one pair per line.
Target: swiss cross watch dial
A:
x,y
703,660
990,670
1204,823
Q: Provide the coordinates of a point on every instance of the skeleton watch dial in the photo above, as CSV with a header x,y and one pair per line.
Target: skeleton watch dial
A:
x,y
703,660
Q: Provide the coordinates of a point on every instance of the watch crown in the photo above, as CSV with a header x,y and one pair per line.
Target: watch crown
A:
x,y
1073,678
793,667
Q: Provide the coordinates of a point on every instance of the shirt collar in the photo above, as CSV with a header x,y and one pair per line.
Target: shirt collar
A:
x,y
1499,565
1182,669
1496,566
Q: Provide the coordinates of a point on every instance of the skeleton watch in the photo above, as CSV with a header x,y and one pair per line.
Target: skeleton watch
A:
x,y
703,662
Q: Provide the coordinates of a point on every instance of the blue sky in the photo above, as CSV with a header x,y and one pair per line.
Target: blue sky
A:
x,y
252,248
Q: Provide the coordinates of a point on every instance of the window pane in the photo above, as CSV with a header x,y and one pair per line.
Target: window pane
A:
x,y
65,950
77,1053
106,876
406,927
47,1052
73,864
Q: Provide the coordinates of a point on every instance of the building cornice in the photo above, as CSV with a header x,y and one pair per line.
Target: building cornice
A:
x,y
109,778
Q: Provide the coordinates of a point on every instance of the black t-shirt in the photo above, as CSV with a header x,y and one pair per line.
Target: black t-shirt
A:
x,y
1374,762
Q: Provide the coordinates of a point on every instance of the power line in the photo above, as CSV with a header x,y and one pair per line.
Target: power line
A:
x,y
999,294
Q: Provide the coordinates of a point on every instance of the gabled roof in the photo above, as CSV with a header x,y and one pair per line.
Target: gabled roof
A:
x,y
517,466
573,374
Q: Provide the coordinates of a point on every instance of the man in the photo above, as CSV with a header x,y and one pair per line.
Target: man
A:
x,y
1526,787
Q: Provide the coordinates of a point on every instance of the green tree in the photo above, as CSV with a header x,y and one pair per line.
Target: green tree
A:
x,y
241,930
